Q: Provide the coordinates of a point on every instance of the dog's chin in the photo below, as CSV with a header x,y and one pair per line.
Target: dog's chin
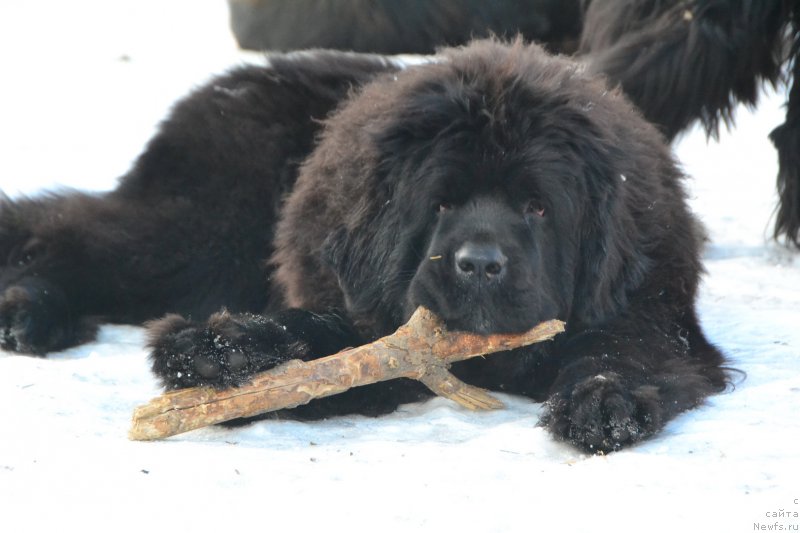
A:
x,y
475,319
479,326
477,312
484,323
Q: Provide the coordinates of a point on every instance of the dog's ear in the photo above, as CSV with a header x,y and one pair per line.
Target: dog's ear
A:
x,y
786,139
368,263
348,255
334,249
611,261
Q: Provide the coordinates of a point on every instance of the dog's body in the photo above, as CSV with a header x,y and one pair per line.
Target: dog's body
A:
x,y
321,199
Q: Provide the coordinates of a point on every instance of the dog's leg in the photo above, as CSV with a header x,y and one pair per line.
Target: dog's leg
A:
x,y
229,349
786,138
46,283
70,261
617,386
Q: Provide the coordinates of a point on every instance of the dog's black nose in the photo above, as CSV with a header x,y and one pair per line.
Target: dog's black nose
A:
x,y
480,260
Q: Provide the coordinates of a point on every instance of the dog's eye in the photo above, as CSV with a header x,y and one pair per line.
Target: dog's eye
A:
x,y
441,207
534,207
29,253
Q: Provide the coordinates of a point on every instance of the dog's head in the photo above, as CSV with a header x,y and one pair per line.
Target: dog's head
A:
x,y
498,187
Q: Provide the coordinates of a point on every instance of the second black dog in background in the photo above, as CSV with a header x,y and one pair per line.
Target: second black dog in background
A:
x,y
678,61
697,60
400,26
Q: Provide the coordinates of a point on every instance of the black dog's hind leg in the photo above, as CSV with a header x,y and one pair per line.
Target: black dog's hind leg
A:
x,y
36,318
77,259
38,255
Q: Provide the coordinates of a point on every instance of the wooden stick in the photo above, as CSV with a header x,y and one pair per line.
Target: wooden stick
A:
x,y
421,349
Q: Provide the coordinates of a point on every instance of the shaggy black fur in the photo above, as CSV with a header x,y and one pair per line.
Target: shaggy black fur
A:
x,y
679,60
499,187
698,59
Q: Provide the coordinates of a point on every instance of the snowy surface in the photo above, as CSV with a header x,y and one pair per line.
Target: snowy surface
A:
x,y
85,84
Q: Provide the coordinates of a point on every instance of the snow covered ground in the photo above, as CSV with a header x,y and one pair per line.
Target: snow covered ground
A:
x,y
85,83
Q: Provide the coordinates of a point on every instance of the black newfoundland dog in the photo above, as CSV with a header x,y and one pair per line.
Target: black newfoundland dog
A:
x,y
334,193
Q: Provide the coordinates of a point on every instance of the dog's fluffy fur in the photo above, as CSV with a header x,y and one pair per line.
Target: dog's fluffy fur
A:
x,y
498,186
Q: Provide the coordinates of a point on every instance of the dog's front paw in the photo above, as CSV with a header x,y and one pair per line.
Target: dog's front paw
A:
x,y
35,318
600,414
226,351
